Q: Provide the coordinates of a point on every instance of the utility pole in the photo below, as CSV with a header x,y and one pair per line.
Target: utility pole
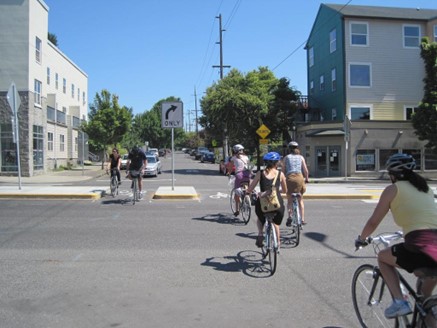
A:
x,y
195,106
221,66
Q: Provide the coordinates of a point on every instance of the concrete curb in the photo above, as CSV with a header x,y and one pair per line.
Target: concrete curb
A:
x,y
92,196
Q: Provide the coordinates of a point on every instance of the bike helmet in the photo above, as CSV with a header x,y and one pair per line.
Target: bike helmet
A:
x,y
271,157
237,148
293,144
399,162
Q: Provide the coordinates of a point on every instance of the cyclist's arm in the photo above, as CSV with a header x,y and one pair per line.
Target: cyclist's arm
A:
x,y
254,182
305,169
380,211
283,183
119,163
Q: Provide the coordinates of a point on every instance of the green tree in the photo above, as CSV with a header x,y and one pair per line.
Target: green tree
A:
x,y
52,38
425,118
108,121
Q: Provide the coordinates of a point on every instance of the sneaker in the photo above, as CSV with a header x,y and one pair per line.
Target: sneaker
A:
x,y
119,182
259,241
140,195
288,224
397,308
236,213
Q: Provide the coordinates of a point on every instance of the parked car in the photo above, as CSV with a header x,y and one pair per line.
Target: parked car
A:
x,y
226,167
199,152
154,166
162,152
123,161
208,156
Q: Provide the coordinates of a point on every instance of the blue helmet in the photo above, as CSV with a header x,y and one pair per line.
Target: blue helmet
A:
x,y
271,157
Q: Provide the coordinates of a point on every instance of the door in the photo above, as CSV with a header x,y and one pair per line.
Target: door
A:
x,y
328,161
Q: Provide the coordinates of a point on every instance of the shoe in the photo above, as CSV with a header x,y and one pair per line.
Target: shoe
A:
x,y
236,213
140,195
288,224
259,241
119,182
397,308
303,223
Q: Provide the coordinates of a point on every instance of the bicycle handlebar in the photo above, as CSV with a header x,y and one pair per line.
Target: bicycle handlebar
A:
x,y
384,239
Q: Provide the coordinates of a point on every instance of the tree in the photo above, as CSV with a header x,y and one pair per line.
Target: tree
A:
x,y
52,38
108,122
425,118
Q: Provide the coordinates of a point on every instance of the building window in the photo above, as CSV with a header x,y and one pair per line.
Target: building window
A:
x,y
76,144
8,149
360,113
365,160
48,75
56,81
50,141
78,94
311,56
430,160
312,87
411,36
435,33
333,114
359,75
61,142
409,111
38,147
333,79
64,85
38,45
322,83
332,41
37,92
359,34
72,90
384,155
83,98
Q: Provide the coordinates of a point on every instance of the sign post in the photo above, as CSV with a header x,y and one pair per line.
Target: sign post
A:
x,y
172,116
14,101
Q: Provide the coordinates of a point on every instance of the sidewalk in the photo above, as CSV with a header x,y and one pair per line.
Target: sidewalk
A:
x,y
59,185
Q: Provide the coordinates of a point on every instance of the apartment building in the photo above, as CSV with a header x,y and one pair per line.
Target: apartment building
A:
x,y
365,79
52,90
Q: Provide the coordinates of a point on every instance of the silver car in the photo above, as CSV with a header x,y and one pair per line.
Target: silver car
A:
x,y
153,167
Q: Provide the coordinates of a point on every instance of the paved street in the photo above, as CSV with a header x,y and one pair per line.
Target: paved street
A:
x,y
175,263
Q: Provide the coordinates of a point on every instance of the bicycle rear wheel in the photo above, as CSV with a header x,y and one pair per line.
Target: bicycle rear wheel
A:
x,y
370,297
296,223
271,249
245,209
113,186
232,201
135,191
430,307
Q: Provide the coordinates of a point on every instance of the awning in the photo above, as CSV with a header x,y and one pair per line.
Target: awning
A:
x,y
325,132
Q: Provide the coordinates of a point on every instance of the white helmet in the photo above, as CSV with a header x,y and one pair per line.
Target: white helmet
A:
x,y
237,148
293,144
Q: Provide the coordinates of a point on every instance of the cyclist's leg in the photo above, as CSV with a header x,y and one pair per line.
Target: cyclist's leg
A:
x,y
428,285
118,176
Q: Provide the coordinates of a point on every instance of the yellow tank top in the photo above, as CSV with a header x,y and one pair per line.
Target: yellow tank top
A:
x,y
413,209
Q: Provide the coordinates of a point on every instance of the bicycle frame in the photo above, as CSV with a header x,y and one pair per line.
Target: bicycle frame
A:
x,y
270,242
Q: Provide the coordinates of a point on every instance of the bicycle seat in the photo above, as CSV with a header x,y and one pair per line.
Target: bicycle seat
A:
x,y
269,215
425,272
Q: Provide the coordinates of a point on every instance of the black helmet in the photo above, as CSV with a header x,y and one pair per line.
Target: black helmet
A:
x,y
397,163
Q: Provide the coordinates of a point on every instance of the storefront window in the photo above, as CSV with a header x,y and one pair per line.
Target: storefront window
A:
x,y
430,160
384,155
365,160
8,149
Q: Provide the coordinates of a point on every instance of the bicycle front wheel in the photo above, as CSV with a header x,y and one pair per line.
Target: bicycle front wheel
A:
x,y
296,223
246,209
272,249
232,201
113,187
135,191
370,297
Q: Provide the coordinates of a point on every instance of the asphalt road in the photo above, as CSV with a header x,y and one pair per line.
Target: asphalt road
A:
x,y
174,263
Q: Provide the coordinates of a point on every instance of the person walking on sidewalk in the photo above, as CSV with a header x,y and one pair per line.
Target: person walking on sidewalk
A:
x,y
296,173
137,161
114,163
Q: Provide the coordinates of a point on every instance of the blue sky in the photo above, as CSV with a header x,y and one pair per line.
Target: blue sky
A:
x,y
147,50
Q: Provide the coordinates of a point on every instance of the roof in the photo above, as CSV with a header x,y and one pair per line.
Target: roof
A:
x,y
385,12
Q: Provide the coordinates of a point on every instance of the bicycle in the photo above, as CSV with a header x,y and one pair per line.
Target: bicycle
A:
x,y
296,220
271,244
113,183
371,296
245,202
136,196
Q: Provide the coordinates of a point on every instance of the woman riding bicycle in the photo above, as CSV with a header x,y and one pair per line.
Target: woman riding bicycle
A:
x,y
114,163
242,172
265,178
412,204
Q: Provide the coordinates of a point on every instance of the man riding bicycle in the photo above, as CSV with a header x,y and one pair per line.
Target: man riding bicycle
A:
x,y
136,161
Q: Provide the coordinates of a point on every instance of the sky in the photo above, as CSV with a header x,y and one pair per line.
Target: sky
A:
x,y
144,51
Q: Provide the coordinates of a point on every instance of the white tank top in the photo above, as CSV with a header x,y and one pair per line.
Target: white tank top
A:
x,y
293,164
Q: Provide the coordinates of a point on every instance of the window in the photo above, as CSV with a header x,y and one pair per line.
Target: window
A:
x,y
384,155
311,56
50,141
360,113
365,160
435,33
359,33
332,41
333,114
430,160
333,79
411,36
359,75
37,92
38,147
83,98
38,45
8,149
312,87
76,144
64,85
61,142
48,75
322,83
78,94
72,90
56,81
408,112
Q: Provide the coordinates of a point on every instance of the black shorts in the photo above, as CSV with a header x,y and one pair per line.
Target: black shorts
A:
x,y
279,214
411,261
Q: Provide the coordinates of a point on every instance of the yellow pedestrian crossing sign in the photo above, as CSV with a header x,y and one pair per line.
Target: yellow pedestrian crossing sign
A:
x,y
263,131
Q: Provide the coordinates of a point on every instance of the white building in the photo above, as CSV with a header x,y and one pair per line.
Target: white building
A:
x,y
52,89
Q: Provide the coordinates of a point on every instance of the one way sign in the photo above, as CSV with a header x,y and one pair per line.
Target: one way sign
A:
x,y
172,114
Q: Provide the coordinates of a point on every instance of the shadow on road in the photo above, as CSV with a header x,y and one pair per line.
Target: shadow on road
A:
x,y
222,218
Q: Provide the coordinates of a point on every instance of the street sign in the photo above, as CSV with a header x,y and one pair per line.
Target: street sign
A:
x,y
172,115
263,141
13,98
263,131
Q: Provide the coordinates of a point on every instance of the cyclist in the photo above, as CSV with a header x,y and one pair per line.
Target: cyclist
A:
x,y
265,179
411,202
137,161
242,172
114,163
296,172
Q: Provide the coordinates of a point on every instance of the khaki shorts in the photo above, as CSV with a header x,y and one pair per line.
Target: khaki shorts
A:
x,y
296,183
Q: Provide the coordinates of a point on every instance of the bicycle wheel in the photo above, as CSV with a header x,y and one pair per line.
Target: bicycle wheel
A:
x,y
430,308
135,191
272,249
296,223
370,297
232,201
113,186
245,209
